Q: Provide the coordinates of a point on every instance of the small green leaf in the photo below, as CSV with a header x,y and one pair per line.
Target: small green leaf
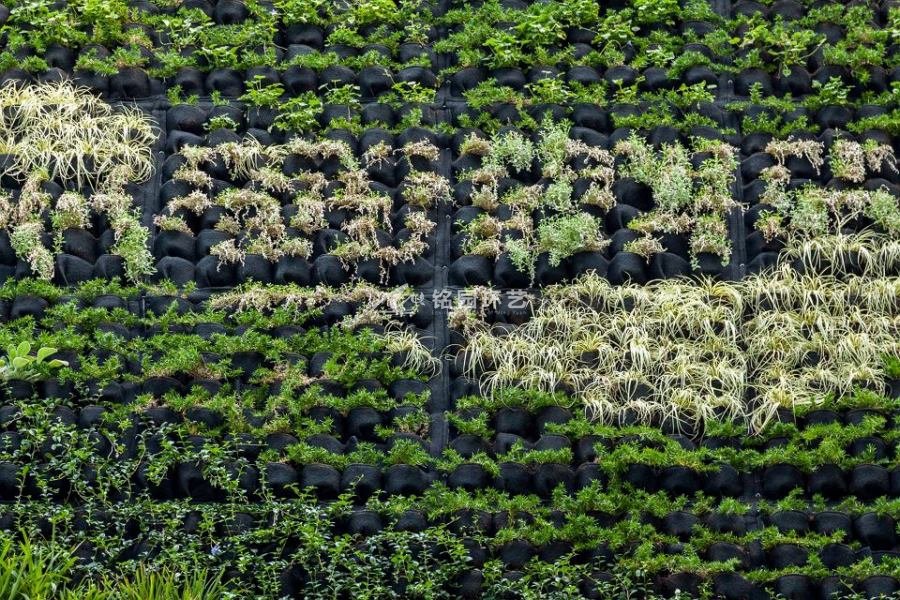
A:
x,y
20,362
44,352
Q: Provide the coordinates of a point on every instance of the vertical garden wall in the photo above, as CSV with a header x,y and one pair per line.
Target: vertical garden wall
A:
x,y
443,299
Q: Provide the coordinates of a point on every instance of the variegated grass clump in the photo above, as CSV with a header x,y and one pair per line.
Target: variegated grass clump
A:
x,y
56,132
689,353
372,306
74,135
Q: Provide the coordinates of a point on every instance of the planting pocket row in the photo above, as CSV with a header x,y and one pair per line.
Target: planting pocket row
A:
x,y
200,47
241,207
471,561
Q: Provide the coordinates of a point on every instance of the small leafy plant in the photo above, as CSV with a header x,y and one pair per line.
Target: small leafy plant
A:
x,y
20,364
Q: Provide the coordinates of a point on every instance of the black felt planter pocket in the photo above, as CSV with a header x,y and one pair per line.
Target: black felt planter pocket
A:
x,y
552,442
192,484
642,477
791,521
256,268
469,584
875,531
724,481
732,586
80,243
554,551
868,482
779,480
28,305
8,414
411,520
190,80
174,243
328,270
682,583
585,449
879,586
679,481
18,389
699,74
869,444
468,477
324,480
90,416
726,523
550,475
517,553
795,587
364,522
828,480
750,77
834,117
468,444
822,417
185,117
513,420
247,478
204,416
514,478
211,272
418,272
552,414
627,267
64,415
836,555
404,480
71,269
467,520
129,82
292,581
506,275
98,83
787,555
7,254
833,588
9,481
547,274
293,269
587,474
667,265
584,262
261,118
471,270
711,265
227,82
829,522
282,479
361,422
680,524
162,489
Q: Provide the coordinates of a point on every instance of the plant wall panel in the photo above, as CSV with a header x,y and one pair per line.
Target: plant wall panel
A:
x,y
443,299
